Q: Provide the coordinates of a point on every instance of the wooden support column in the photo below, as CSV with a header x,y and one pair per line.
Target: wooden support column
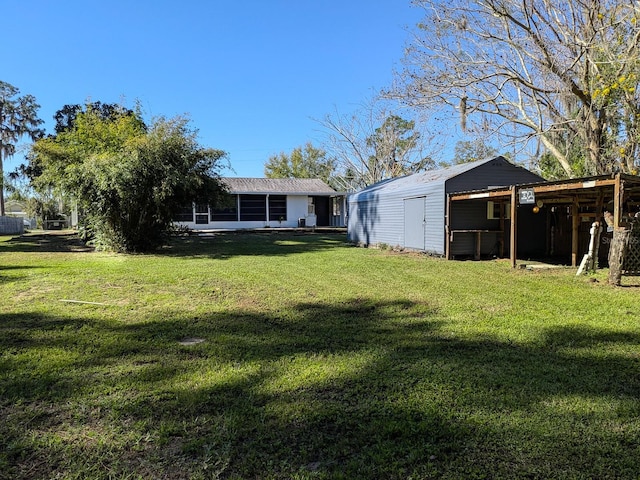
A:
x,y
501,233
619,243
575,225
618,193
447,229
514,230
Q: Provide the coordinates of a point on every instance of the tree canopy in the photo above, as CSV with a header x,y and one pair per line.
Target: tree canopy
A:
x,y
18,117
373,145
471,150
66,117
562,74
302,162
128,180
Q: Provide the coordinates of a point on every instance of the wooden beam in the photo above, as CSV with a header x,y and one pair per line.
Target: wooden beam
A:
x,y
562,187
514,230
581,185
575,225
480,195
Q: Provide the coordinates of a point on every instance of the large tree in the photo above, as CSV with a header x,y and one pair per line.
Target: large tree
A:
x,y
302,162
373,145
128,180
466,151
66,117
564,74
18,117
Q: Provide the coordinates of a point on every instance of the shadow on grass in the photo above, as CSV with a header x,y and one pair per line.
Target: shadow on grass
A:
x,y
354,390
12,277
225,245
218,245
56,241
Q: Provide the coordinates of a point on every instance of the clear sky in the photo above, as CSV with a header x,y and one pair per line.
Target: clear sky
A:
x,y
251,74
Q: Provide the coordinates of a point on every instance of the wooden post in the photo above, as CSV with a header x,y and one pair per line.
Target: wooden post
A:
x,y
618,192
501,233
617,252
575,224
447,230
478,246
617,249
514,230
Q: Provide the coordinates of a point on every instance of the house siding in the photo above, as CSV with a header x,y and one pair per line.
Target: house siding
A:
x,y
11,226
371,222
435,218
496,173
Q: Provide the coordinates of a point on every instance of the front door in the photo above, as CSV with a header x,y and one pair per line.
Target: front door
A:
x,y
414,223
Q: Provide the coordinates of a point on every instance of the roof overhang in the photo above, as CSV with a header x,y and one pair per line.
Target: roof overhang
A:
x,y
562,191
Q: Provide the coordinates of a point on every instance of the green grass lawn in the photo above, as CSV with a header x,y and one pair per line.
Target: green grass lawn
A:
x,y
298,356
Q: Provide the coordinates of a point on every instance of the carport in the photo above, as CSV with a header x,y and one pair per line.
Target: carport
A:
x,y
547,217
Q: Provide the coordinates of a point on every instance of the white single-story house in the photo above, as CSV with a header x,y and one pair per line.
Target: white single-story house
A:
x,y
269,203
17,209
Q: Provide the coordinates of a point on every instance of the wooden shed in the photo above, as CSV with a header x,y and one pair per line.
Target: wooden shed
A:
x,y
552,220
410,212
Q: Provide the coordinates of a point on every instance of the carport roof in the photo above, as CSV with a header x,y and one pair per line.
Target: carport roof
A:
x,y
561,191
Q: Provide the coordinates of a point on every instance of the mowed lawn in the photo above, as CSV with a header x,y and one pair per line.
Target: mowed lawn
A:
x,y
278,356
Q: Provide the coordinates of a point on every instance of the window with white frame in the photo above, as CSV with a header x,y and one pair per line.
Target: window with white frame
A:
x,y
202,213
494,209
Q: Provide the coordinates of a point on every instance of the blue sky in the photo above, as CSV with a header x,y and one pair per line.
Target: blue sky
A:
x,y
251,74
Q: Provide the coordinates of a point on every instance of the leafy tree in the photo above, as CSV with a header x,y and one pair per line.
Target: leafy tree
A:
x,y
65,121
391,143
550,169
374,145
471,150
18,117
128,180
564,74
303,162
66,117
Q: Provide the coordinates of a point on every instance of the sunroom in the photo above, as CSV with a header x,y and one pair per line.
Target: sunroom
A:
x,y
253,203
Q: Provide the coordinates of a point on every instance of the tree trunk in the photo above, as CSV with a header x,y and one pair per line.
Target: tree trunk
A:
x,y
617,252
1,182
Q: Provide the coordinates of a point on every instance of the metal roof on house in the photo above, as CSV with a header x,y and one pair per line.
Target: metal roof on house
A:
x,y
278,186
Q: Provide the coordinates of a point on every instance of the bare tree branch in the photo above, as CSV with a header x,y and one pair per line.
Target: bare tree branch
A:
x,y
562,74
